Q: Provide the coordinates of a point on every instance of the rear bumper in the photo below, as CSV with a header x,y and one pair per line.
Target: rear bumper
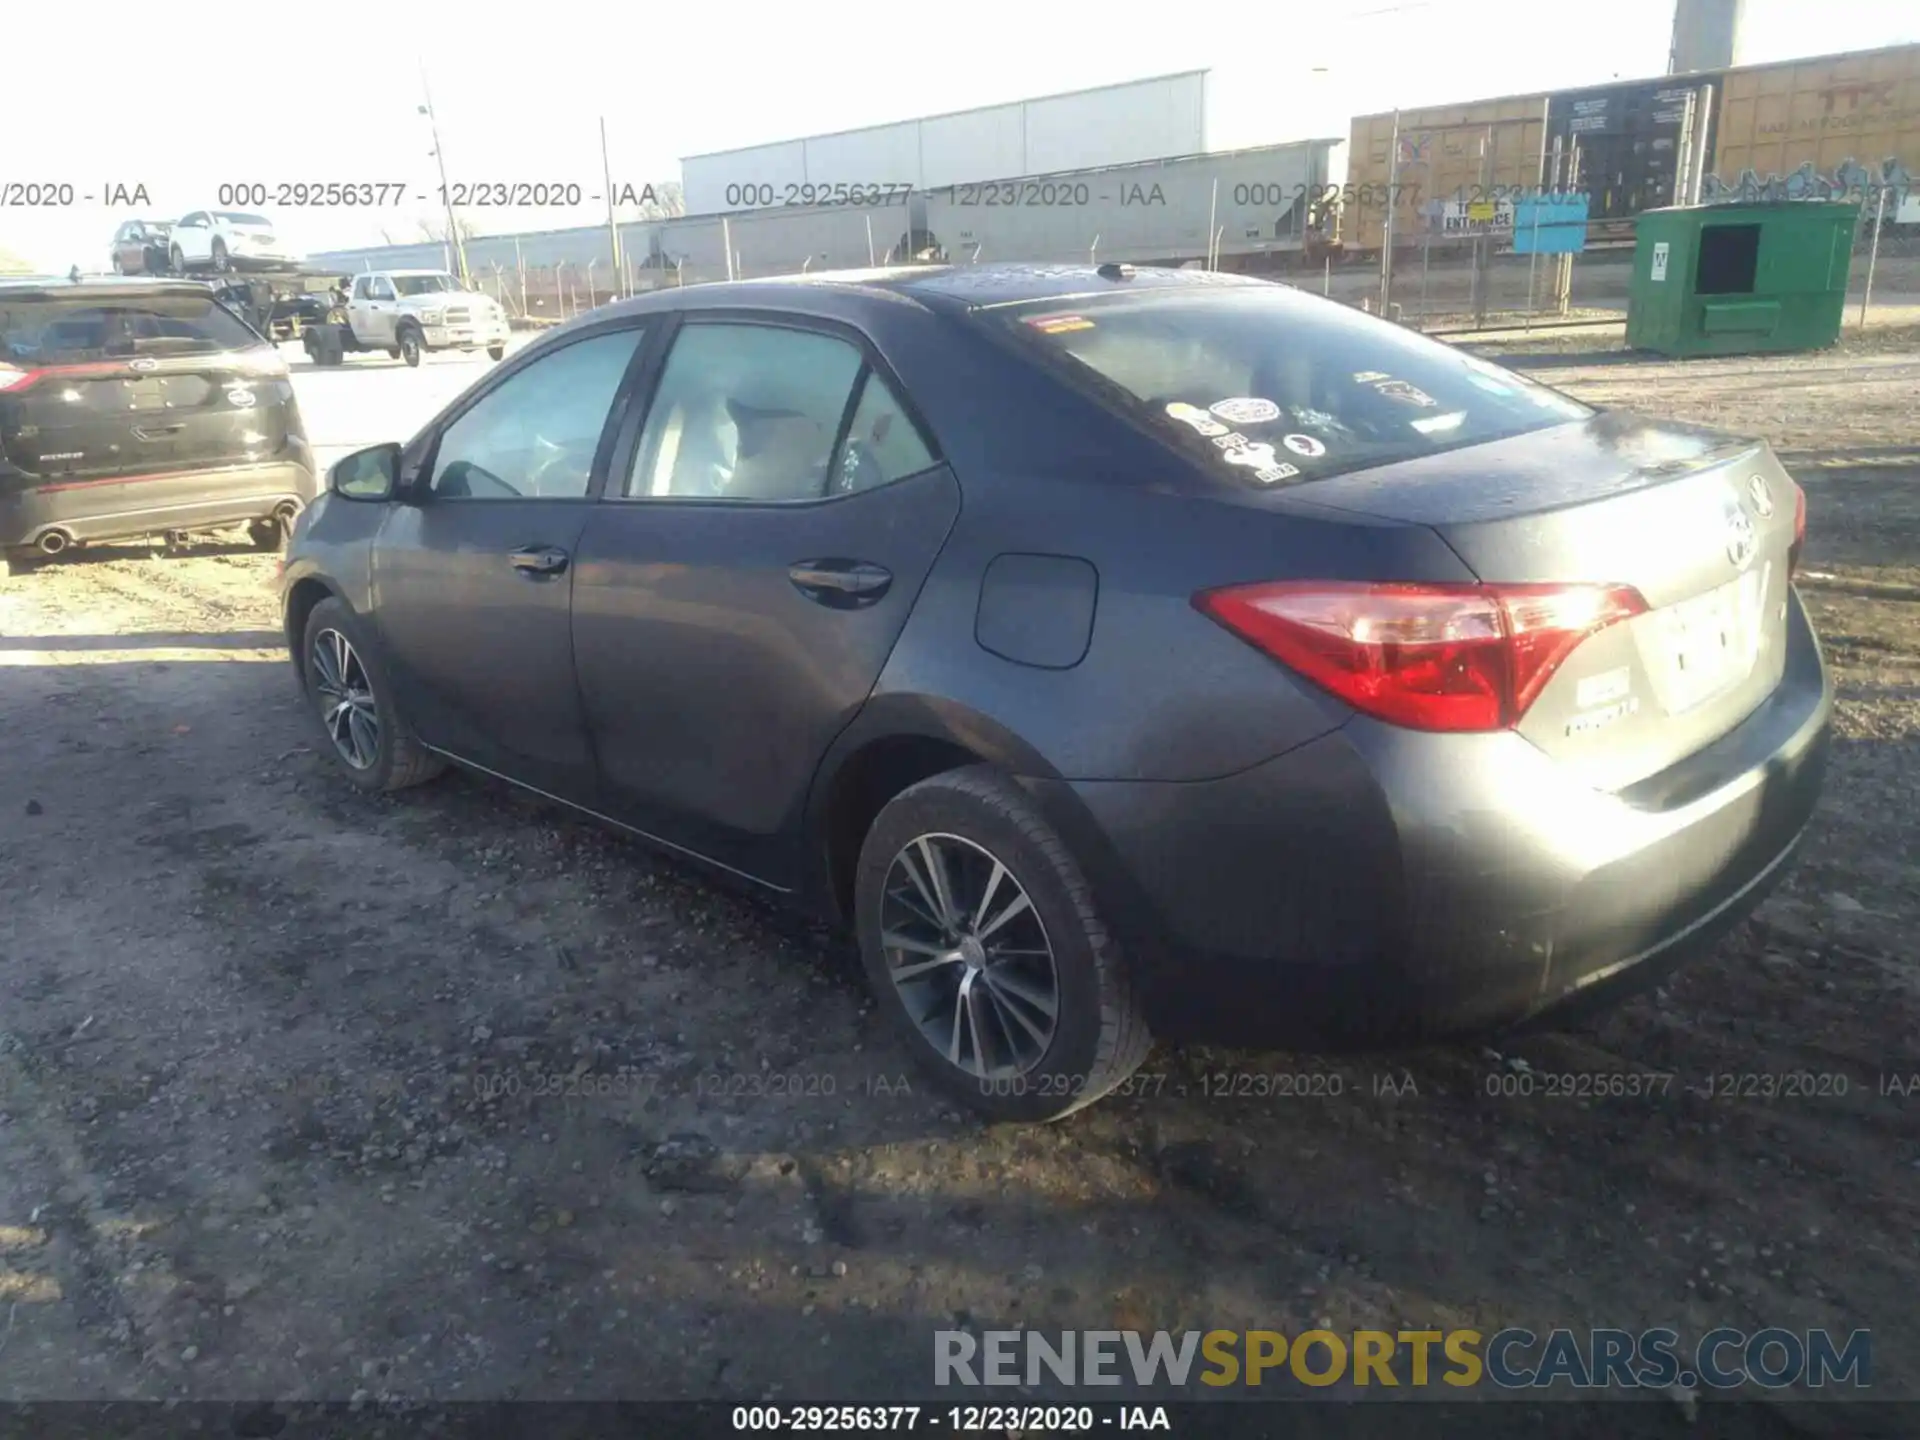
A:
x,y
124,507
1382,886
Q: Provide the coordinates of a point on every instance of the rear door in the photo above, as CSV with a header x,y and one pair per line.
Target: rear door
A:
x,y
761,542
473,576
107,386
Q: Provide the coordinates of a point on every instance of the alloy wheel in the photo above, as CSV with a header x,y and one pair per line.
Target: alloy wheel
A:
x,y
969,955
344,695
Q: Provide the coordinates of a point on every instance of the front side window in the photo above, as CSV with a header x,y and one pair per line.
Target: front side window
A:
x,y
534,435
1267,386
746,412
425,284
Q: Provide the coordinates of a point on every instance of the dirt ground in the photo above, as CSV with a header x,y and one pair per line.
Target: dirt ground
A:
x,y
454,1096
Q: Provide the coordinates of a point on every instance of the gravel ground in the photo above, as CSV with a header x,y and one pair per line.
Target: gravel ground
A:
x,y
454,1096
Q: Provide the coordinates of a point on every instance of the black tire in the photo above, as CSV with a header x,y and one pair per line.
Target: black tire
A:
x,y
399,761
222,262
1100,1036
411,344
176,261
119,265
496,352
273,532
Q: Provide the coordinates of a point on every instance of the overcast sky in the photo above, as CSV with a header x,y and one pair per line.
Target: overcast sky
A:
x,y
122,91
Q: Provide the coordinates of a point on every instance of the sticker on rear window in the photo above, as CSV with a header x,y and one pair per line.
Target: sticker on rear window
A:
x,y
1256,455
1196,417
1304,445
1407,394
1059,324
1245,411
1252,454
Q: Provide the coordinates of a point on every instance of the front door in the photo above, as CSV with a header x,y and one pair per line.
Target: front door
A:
x,y
370,313
740,586
193,238
474,578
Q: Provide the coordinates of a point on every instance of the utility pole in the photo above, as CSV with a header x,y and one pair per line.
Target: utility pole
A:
x,y
613,226
454,241
1386,233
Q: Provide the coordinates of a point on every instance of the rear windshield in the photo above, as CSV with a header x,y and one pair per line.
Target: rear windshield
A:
x,y
234,217
1269,387
36,332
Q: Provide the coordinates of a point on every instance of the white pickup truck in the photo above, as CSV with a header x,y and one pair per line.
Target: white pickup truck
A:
x,y
407,313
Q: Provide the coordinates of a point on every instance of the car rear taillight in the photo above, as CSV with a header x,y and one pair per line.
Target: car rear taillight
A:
x,y
265,363
1430,657
1799,531
14,378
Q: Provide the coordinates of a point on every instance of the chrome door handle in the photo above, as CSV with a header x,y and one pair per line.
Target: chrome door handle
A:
x,y
539,560
837,579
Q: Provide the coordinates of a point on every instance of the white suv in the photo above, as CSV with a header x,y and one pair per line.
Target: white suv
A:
x,y
227,240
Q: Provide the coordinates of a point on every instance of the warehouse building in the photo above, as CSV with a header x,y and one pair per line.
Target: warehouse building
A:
x,y
1115,173
1079,130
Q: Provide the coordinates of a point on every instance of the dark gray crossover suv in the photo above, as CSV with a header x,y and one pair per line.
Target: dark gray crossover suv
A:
x,y
1116,652
133,407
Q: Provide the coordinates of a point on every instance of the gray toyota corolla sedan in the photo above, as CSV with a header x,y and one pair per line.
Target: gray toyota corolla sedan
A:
x,y
1116,652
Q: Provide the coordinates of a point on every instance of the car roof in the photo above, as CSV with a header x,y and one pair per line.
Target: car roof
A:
x,y
55,286
846,293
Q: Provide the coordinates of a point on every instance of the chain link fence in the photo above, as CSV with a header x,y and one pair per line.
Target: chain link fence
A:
x,y
1445,265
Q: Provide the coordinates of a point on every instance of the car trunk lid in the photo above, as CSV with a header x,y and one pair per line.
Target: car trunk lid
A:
x,y
1699,523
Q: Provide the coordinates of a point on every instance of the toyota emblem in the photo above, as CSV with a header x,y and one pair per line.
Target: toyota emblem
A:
x,y
1761,496
1741,541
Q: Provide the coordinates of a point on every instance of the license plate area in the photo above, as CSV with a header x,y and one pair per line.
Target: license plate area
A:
x,y
1708,645
147,394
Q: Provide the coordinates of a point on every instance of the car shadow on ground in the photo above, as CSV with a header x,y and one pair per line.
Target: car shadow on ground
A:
x,y
370,1030
108,552
148,640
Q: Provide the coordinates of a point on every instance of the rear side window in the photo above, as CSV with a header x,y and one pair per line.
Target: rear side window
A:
x,y
1266,386
66,331
882,444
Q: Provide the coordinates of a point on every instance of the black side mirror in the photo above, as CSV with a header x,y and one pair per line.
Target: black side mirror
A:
x,y
370,474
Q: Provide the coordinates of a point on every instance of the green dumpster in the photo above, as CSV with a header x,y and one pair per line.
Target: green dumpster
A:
x,y
1740,279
